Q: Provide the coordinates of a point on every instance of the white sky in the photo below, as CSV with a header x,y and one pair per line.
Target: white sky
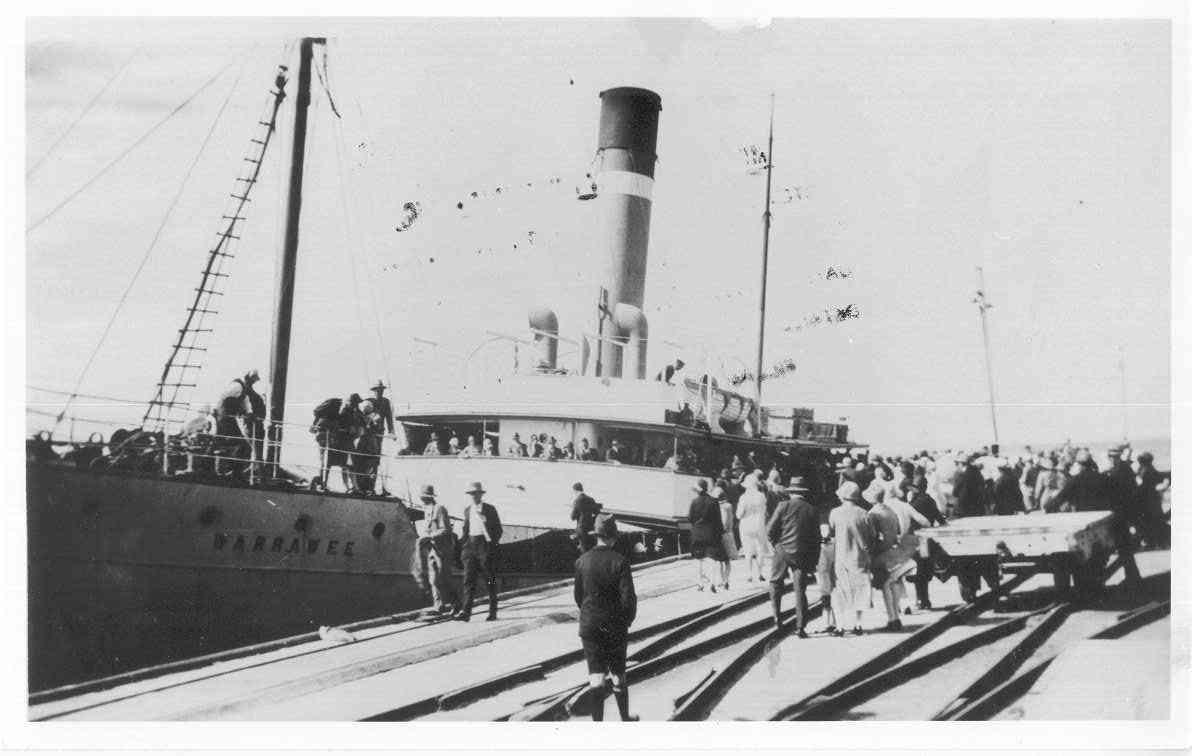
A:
x,y
1040,150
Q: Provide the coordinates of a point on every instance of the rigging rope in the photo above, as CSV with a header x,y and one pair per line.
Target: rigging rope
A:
x,y
372,262
152,245
349,236
86,109
87,184
324,77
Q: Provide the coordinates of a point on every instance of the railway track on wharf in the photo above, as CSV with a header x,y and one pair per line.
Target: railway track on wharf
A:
x,y
964,663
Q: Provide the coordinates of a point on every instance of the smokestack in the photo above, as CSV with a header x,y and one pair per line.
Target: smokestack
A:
x,y
544,329
627,142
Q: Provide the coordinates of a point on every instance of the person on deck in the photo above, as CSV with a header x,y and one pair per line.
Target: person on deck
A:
x,y
793,531
471,449
607,604
706,531
347,433
481,536
586,452
230,443
382,406
615,453
517,448
432,447
254,420
366,455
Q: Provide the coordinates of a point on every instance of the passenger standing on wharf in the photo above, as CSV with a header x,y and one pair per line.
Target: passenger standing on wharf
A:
x,y
706,531
853,535
437,549
481,536
969,490
891,555
922,503
1086,491
1007,496
825,568
1151,484
1048,485
751,513
583,511
1123,499
727,540
794,531
607,605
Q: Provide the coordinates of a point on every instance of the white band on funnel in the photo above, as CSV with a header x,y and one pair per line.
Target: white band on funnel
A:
x,y
625,182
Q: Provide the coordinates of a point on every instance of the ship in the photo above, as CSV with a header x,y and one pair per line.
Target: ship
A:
x,y
136,557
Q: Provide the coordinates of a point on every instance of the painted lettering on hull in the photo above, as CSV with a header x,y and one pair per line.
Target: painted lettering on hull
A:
x,y
312,546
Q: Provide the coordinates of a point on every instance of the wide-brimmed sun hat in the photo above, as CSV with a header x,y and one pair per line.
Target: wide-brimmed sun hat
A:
x,y
475,488
849,491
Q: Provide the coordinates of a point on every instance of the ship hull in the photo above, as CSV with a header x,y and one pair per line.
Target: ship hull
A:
x,y
127,570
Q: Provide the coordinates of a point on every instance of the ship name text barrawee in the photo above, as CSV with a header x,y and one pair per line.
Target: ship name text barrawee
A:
x,y
279,544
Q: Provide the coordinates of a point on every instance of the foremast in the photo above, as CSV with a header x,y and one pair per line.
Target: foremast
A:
x,y
279,358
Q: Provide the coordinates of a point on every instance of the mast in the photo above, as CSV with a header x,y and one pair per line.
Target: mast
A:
x,y
279,358
982,306
761,312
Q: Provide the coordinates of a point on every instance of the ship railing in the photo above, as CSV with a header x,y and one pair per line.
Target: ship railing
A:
x,y
146,451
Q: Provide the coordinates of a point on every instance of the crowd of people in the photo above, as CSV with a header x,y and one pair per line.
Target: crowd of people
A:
x,y
853,532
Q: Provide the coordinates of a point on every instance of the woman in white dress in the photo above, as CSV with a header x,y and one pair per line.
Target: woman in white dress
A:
x,y
751,512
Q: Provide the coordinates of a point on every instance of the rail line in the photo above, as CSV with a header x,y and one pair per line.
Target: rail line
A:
x,y
666,657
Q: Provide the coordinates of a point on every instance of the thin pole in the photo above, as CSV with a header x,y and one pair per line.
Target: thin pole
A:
x,y
761,310
1122,373
284,298
982,306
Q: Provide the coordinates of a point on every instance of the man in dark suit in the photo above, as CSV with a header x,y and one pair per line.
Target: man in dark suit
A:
x,y
481,534
926,506
794,533
583,511
607,606
969,490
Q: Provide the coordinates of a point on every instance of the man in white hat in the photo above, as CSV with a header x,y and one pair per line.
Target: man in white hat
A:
x,y
481,535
